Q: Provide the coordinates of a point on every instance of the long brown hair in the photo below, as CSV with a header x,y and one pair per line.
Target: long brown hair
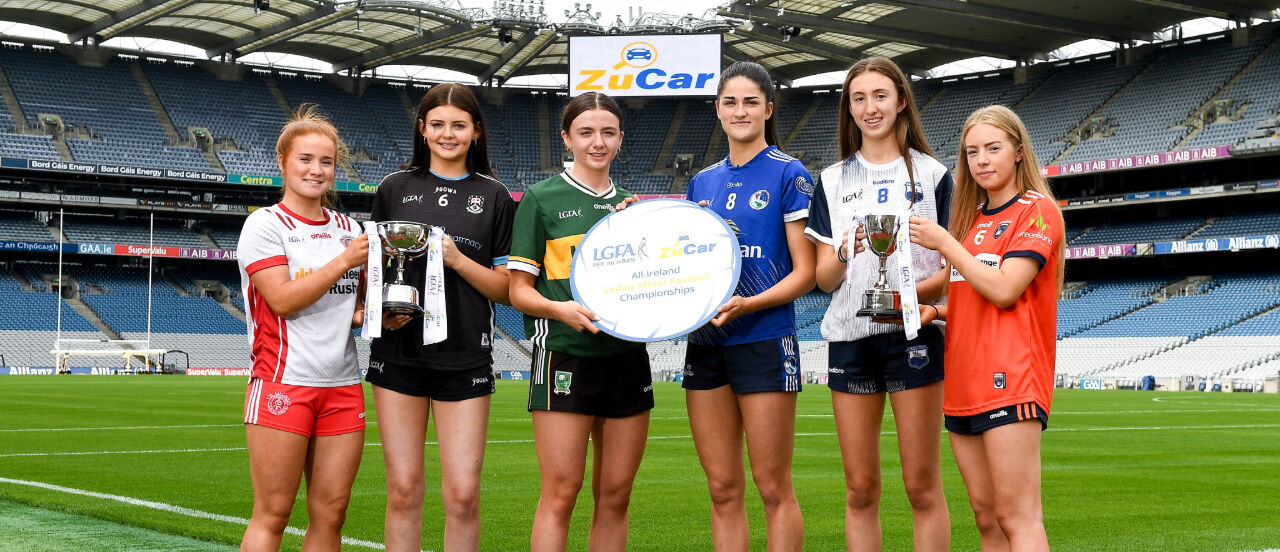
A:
x,y
308,120
461,97
906,125
968,195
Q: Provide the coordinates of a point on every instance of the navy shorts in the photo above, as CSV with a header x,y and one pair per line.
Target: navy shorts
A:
x,y
615,386
436,384
885,363
996,417
769,365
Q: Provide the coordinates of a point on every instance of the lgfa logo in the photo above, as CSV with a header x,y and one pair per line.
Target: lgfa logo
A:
x,y
639,55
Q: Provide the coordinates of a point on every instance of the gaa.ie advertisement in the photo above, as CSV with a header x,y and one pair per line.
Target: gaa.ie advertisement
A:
x,y
645,65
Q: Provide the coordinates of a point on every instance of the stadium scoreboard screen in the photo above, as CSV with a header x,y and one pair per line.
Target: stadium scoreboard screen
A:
x,y
645,65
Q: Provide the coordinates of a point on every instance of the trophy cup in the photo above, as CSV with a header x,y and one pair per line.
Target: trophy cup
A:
x,y
402,241
880,301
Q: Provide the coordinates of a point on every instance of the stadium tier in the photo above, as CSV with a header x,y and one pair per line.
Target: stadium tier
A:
x,y
1203,92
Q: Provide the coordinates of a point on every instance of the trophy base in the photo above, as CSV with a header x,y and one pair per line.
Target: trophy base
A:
x,y
880,313
878,303
398,308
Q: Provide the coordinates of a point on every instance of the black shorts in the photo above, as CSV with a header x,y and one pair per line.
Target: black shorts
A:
x,y
614,386
885,363
769,365
437,384
996,417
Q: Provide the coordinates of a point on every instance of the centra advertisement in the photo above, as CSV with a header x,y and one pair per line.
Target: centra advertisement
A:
x,y
645,65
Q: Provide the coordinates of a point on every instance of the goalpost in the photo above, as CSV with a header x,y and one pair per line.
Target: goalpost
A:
x,y
128,350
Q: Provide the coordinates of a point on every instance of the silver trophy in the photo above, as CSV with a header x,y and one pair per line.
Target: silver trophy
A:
x,y
880,301
402,241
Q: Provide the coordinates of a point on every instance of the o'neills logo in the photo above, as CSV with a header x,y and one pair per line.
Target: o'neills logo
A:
x,y
322,236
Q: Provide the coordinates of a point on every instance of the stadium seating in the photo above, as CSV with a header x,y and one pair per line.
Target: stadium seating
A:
x,y
1103,301
86,228
1140,231
105,102
17,225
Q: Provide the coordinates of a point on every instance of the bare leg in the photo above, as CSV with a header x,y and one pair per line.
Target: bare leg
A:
x,y
918,416
561,440
971,458
618,448
402,425
461,427
332,462
276,460
858,422
770,423
716,425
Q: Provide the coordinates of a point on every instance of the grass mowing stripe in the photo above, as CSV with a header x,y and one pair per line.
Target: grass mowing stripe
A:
x,y
25,527
173,509
114,428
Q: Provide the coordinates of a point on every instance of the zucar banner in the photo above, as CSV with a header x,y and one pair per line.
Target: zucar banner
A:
x,y
645,65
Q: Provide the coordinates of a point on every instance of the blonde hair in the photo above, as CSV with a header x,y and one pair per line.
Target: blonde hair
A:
x,y
968,195
307,121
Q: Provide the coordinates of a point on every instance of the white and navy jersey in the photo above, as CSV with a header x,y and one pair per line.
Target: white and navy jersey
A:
x,y
756,199
314,346
477,212
855,188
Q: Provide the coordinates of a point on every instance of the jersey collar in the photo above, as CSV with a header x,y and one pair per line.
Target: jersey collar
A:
x,y
997,210
304,219
573,181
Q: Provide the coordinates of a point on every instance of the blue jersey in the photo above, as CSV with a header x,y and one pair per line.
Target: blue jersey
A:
x,y
756,199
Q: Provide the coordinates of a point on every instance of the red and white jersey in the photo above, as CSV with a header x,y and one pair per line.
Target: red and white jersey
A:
x,y
1001,357
313,347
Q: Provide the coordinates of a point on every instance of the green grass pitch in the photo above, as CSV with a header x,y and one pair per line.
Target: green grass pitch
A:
x,y
118,462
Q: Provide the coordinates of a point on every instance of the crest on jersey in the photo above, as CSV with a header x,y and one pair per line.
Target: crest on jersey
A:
x,y
999,382
475,204
346,240
760,199
278,403
1004,225
563,381
914,193
790,366
804,186
918,356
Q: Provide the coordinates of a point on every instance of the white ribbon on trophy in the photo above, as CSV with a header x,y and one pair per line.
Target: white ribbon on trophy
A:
x,y
907,278
435,321
372,327
853,244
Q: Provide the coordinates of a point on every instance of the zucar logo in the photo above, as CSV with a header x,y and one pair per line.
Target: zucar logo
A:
x,y
622,76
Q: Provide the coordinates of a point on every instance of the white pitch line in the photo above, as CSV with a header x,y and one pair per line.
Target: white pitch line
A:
x,y
651,438
174,509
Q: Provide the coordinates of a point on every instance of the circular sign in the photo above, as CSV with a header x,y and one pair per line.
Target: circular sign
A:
x,y
656,270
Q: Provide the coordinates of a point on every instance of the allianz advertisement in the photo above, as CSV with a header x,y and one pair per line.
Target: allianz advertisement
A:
x,y
645,65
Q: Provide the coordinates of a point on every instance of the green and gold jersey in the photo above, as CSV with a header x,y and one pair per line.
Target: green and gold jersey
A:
x,y
551,220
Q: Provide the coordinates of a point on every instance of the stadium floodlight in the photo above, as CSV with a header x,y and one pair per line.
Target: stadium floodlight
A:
x,y
261,5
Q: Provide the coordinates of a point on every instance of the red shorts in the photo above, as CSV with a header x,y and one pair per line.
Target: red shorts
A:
x,y
305,410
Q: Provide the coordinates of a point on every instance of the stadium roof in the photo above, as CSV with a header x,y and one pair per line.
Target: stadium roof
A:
x,y
793,38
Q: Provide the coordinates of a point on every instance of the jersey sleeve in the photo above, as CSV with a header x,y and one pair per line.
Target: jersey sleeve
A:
x,y
504,217
261,243
819,226
942,199
689,188
1039,232
379,211
796,189
528,239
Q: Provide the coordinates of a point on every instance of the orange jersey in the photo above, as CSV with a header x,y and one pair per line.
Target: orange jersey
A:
x,y
999,357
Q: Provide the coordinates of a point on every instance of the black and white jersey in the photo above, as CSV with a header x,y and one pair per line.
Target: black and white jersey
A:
x,y
477,212
855,188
